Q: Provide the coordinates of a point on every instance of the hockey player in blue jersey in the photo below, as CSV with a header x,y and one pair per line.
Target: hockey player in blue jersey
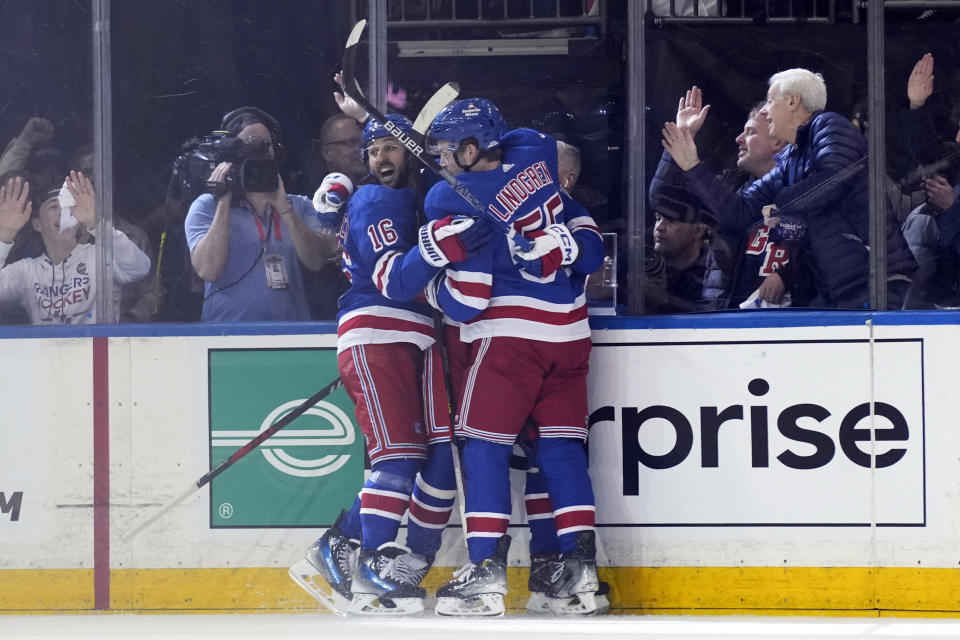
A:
x,y
523,315
384,339
544,544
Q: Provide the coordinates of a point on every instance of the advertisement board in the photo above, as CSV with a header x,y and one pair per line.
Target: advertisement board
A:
x,y
759,433
309,470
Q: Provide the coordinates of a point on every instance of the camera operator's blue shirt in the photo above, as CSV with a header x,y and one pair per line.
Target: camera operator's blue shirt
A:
x,y
241,292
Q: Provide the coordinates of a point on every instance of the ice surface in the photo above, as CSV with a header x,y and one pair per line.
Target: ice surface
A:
x,y
238,626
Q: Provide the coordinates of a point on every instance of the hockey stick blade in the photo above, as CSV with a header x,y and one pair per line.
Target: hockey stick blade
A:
x,y
352,89
444,96
206,478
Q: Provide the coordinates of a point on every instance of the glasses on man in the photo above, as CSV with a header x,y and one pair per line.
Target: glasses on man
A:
x,y
374,150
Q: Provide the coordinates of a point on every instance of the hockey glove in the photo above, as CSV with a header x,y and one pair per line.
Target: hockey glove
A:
x,y
553,247
335,189
451,239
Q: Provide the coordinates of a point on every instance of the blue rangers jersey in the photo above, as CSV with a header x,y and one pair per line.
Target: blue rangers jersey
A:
x,y
384,304
487,293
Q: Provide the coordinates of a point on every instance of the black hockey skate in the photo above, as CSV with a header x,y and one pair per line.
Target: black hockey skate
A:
x,y
326,570
477,589
385,583
545,569
574,587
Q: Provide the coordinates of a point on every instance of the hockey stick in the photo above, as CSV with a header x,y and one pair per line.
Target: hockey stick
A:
x,y
444,96
351,88
236,455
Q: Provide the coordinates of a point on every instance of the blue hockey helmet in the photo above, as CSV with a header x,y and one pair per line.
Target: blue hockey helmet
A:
x,y
476,118
375,129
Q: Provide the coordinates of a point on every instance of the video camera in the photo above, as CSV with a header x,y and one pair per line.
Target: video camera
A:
x,y
252,171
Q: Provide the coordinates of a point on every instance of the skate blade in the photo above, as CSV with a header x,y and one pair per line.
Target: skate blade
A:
x,y
581,604
307,576
368,604
482,605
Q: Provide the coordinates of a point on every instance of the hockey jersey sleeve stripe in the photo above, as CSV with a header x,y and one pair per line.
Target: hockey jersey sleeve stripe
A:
x,y
470,290
470,277
401,276
381,270
583,223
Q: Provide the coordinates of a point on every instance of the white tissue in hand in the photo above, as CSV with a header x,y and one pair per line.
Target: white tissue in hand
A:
x,y
65,198
335,189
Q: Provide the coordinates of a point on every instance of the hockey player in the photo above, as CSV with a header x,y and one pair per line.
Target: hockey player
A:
x,y
529,350
544,544
382,337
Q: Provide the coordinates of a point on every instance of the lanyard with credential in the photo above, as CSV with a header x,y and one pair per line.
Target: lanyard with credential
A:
x,y
273,263
265,238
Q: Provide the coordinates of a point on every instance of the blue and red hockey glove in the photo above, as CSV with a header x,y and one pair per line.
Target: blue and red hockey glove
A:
x,y
553,247
452,239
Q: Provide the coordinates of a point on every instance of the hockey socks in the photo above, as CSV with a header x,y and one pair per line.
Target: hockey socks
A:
x,y
563,463
349,523
384,499
486,470
543,533
432,501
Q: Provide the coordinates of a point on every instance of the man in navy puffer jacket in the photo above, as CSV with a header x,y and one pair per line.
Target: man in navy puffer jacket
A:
x,y
821,179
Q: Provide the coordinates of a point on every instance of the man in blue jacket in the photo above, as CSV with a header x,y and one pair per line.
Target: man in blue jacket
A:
x,y
820,179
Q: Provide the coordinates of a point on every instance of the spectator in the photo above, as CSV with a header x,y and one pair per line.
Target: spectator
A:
x,y
752,263
139,299
931,229
36,132
338,147
681,243
821,180
339,140
249,245
59,287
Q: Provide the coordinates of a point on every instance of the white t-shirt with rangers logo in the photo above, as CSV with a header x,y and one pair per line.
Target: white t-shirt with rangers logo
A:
x,y
66,292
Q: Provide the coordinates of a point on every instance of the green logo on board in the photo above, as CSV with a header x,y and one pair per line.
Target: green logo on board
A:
x,y
305,473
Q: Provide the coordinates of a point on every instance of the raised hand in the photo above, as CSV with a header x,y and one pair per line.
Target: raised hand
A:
x,y
85,210
347,104
680,145
920,83
37,131
690,111
15,208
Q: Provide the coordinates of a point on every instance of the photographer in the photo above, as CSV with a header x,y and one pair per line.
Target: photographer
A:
x,y
248,238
